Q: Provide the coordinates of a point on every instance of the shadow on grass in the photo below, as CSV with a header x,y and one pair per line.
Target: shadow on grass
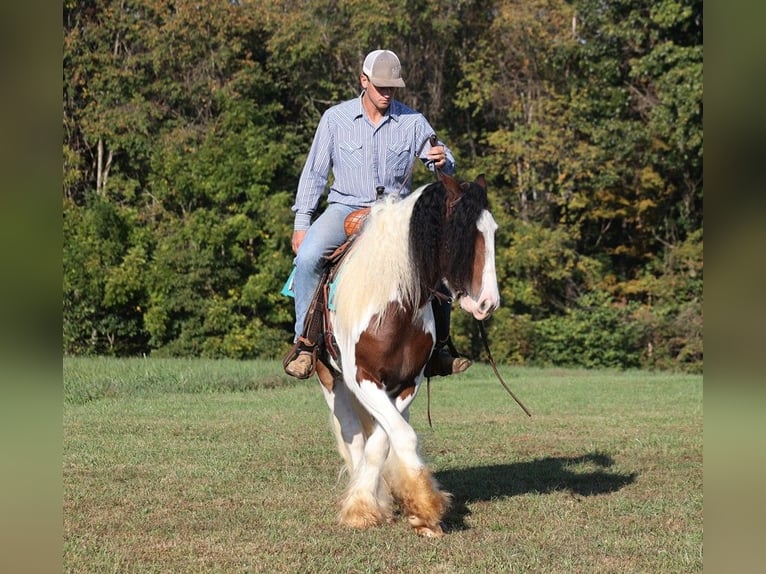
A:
x,y
584,475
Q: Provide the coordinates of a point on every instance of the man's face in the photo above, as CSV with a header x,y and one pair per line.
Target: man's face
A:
x,y
380,97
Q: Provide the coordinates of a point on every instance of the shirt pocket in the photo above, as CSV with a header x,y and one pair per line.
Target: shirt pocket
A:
x,y
351,154
398,158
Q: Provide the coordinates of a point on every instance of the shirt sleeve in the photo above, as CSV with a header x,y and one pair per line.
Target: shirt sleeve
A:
x,y
314,176
449,166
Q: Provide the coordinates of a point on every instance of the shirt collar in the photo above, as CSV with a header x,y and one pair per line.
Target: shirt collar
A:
x,y
393,110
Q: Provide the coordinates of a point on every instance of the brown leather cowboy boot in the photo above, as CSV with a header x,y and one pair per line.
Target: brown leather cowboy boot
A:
x,y
302,366
300,362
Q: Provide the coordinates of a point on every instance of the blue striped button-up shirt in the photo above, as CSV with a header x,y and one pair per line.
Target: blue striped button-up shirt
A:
x,y
362,157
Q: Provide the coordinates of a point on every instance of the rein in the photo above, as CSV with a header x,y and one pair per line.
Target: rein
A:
x,y
450,206
494,368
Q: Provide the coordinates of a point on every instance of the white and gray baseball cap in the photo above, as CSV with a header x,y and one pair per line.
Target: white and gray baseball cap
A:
x,y
383,69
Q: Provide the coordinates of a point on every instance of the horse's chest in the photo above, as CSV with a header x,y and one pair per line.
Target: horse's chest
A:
x,y
394,353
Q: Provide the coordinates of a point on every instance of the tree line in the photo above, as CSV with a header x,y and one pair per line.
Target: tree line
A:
x,y
186,124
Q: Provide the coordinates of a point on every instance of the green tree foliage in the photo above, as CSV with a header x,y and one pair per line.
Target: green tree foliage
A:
x,y
104,261
186,125
591,115
173,124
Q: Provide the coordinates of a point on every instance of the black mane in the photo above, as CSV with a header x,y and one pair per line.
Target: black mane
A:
x,y
442,248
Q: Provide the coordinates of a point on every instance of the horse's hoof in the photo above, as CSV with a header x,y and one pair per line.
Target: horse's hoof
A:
x,y
361,514
425,530
432,532
361,522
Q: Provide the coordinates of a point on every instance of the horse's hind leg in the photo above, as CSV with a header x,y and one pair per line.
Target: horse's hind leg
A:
x,y
347,425
423,503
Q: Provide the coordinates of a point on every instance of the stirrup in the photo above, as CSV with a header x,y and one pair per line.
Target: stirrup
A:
x,y
301,348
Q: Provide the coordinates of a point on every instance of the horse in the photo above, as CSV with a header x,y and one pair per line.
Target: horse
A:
x,y
384,328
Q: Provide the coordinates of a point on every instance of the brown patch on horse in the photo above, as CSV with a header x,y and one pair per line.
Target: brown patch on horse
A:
x,y
393,354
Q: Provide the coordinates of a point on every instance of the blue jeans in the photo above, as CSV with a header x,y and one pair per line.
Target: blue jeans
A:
x,y
324,236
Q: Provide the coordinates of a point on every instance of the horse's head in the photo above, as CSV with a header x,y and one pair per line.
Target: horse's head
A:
x,y
469,254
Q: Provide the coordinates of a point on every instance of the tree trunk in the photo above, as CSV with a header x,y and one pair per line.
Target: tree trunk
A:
x,y
102,171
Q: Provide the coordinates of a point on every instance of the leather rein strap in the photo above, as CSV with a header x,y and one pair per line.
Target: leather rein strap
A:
x,y
494,368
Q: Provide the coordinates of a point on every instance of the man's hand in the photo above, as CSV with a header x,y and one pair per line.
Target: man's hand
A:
x,y
298,239
438,155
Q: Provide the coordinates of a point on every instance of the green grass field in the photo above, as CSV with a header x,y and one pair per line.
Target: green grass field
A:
x,y
227,466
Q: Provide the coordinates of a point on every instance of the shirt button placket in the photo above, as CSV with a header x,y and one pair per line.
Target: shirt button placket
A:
x,y
374,161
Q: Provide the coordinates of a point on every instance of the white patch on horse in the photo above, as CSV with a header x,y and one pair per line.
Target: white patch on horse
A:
x,y
368,283
482,304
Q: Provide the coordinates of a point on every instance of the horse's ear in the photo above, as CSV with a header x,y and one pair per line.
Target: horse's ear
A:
x,y
451,185
481,182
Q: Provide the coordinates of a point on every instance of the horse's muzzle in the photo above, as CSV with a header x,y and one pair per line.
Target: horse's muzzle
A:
x,y
481,308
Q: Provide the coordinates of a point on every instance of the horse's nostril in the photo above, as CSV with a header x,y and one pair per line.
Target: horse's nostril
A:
x,y
487,306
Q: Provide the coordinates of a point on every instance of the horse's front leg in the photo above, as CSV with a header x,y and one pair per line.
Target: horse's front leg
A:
x,y
407,476
347,419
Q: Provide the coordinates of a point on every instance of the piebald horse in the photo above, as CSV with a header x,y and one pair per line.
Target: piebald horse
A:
x,y
384,328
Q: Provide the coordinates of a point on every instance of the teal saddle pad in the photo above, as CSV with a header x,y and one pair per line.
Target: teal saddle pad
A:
x,y
288,291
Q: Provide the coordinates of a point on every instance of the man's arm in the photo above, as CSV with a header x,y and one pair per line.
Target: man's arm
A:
x,y
314,176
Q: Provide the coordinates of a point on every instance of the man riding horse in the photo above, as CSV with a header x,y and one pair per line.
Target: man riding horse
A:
x,y
370,143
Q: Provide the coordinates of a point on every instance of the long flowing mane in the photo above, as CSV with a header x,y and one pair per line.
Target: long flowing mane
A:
x,y
378,269
433,231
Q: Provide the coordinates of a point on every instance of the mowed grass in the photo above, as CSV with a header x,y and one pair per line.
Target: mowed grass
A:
x,y
227,466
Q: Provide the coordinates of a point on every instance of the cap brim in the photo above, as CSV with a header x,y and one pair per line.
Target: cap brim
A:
x,y
381,83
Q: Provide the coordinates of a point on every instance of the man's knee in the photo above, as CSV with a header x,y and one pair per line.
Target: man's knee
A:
x,y
308,259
